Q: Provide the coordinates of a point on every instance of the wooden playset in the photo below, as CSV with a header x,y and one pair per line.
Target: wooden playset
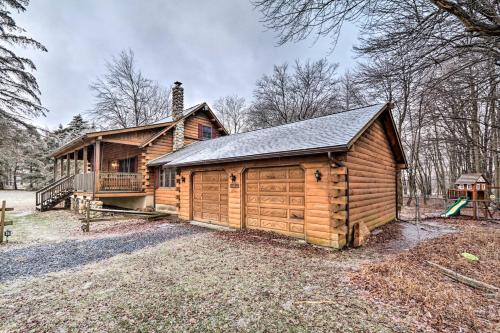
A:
x,y
471,190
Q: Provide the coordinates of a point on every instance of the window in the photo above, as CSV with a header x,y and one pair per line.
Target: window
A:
x,y
461,186
127,165
469,186
478,186
167,177
206,132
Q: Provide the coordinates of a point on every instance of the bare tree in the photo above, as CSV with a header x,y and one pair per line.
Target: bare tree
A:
x,y
437,29
233,113
351,91
438,60
311,90
19,92
125,98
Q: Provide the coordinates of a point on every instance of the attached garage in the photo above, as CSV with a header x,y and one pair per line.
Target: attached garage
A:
x,y
210,199
274,199
329,180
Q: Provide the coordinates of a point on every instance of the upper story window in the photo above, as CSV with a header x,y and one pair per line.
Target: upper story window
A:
x,y
206,132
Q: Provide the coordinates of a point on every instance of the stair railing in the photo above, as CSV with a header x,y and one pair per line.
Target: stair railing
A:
x,y
65,184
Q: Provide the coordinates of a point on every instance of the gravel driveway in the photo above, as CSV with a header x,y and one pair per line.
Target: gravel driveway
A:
x,y
42,259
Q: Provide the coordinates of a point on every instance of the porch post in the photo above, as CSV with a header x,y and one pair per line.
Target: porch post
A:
x,y
97,163
61,160
85,163
68,162
75,155
55,168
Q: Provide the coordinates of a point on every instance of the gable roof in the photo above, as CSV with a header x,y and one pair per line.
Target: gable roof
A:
x,y
187,112
335,132
471,178
164,124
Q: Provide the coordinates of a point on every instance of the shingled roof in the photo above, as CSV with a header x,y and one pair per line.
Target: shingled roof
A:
x,y
471,178
335,132
165,123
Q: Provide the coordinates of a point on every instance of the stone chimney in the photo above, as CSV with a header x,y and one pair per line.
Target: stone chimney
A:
x,y
177,109
177,100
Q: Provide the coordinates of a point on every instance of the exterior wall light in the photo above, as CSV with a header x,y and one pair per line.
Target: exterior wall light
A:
x,y
183,179
233,178
317,175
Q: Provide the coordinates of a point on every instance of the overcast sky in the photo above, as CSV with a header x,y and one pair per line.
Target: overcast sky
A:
x,y
215,47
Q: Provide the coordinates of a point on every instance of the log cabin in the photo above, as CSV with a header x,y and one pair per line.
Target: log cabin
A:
x,y
111,166
328,180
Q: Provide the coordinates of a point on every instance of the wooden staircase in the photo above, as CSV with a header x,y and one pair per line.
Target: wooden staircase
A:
x,y
55,193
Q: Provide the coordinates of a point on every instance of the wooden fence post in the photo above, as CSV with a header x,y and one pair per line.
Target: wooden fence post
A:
x,y
2,220
87,215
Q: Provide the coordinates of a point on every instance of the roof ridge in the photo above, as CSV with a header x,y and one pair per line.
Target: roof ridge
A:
x,y
299,121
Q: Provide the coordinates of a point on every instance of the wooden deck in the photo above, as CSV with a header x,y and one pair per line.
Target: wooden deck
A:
x,y
121,194
108,182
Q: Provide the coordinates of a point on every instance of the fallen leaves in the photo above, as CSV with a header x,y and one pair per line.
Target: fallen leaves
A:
x,y
407,280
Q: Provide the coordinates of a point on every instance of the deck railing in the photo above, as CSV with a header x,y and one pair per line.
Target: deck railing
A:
x,y
120,182
108,182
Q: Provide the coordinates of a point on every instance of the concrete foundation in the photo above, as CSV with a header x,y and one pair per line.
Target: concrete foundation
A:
x,y
140,203
166,208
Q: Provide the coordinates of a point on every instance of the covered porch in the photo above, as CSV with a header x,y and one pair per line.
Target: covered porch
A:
x,y
101,168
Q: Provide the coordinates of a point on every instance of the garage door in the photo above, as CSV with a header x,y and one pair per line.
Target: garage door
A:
x,y
275,200
210,197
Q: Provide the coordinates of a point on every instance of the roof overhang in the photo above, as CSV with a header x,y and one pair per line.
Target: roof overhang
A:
x,y
89,137
291,153
385,114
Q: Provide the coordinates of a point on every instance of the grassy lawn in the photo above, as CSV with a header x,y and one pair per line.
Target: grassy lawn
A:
x,y
210,281
255,282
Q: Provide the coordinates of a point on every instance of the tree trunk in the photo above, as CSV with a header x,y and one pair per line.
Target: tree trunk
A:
x,y
14,176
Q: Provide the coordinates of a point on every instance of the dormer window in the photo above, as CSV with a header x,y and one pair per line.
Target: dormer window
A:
x,y
206,132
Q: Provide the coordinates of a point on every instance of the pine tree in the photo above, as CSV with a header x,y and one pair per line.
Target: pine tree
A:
x,y
19,91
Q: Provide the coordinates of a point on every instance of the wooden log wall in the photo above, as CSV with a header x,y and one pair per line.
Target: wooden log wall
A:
x,y
157,148
191,126
372,179
112,152
166,196
317,207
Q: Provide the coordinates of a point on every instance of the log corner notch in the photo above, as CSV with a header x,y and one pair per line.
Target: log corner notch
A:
x,y
339,204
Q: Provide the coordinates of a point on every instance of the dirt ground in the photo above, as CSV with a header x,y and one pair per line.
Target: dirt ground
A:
x,y
134,275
